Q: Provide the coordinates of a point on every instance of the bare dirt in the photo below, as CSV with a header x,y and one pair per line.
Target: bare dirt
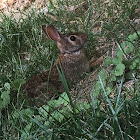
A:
x,y
16,8
14,4
8,5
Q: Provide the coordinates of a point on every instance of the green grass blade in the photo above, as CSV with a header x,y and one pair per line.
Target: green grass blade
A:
x,y
118,98
110,105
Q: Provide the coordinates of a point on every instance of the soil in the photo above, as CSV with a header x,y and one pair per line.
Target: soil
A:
x,y
14,4
16,7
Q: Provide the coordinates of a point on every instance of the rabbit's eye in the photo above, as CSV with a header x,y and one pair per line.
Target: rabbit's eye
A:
x,y
72,38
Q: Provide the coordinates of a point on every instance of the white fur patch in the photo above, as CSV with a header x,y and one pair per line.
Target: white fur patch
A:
x,y
77,52
74,53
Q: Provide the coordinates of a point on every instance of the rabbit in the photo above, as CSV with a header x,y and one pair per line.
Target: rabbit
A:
x,y
71,59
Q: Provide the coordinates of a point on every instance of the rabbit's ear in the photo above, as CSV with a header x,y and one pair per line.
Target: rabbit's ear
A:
x,y
51,32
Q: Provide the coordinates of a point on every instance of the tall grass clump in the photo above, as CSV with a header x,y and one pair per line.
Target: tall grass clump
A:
x,y
113,112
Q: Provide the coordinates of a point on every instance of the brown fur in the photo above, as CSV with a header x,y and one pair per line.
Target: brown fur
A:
x,y
71,59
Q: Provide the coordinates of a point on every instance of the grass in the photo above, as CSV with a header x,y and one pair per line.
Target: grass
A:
x,y
115,109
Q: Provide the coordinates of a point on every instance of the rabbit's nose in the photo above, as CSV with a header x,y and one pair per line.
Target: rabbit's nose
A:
x,y
86,36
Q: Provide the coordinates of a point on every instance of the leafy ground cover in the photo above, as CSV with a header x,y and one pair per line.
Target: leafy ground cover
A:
x,y
113,112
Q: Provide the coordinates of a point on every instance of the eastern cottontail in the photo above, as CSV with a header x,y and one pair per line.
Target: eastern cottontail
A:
x,y
71,59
